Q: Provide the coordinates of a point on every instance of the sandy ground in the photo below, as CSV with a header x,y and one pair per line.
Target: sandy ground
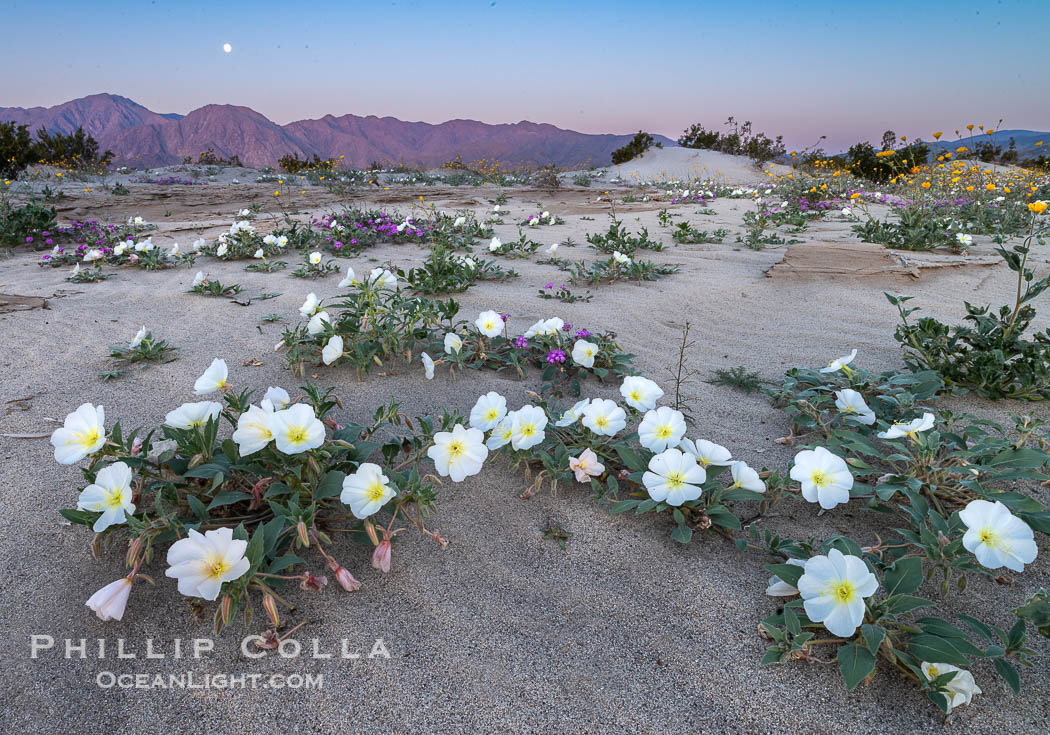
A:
x,y
625,631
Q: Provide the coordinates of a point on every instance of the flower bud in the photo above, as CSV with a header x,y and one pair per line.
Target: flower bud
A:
x,y
136,446
345,579
304,536
270,605
226,609
371,531
381,557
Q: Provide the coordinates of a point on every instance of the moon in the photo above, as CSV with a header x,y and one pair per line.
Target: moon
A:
x,y
227,47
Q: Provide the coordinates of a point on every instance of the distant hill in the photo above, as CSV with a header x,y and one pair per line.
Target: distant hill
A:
x,y
140,137
1024,142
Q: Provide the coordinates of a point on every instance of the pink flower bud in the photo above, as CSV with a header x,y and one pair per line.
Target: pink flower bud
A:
x,y
381,556
346,579
136,446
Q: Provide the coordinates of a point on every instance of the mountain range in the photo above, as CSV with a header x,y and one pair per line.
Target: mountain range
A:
x,y
140,137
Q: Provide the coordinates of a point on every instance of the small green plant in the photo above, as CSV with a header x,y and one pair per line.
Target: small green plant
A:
x,y
119,189
563,294
266,266
684,233
618,239
143,348
214,287
737,377
554,532
316,267
582,180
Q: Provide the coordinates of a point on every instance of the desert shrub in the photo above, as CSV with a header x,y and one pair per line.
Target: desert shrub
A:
x,y
864,161
618,239
18,149
546,178
31,224
740,142
211,158
291,163
637,146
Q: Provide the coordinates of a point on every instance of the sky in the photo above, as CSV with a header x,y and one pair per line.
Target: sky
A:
x,y
848,71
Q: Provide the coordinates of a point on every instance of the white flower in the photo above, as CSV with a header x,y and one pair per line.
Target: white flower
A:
x,y
333,350
674,477
502,433
109,495
213,380
640,393
253,429
745,477
198,279
453,344
583,353
270,240
707,453
282,241
553,249
367,490
82,433
459,453
259,254
91,255
199,243
174,250
833,589
778,587
119,249
137,339
222,250
460,221
382,278
489,323
110,602
244,213
545,327
191,415
909,429
529,423
202,563
315,258
317,322
495,245
76,269
661,428
545,215
847,212
840,363
275,397
961,687
428,365
311,305
996,536
964,240
533,221
621,258
468,262
573,415
604,417
488,411
296,429
350,279
824,476
849,401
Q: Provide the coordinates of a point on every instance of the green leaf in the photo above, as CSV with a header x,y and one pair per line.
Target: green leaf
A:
x,y
281,563
1023,457
855,663
81,517
254,551
772,656
927,647
227,498
904,577
873,635
197,507
722,516
900,604
330,486
1009,673
787,572
682,534
624,505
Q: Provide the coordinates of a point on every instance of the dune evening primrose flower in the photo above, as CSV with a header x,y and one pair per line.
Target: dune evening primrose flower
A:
x,y
198,279
367,490
839,363
333,350
259,254
488,411
137,339
495,244
996,536
349,279
603,417
222,250
296,429
459,453
453,343
317,322
553,249
311,305
277,397
109,495
963,239
621,258
382,278
572,415
824,476
192,415
528,428
586,466
315,258
82,433
909,429
661,428
778,587
428,365
110,602
674,477
202,562
489,323
961,687
253,430
502,433
833,589
746,478
583,353
851,403
213,380
706,453
640,393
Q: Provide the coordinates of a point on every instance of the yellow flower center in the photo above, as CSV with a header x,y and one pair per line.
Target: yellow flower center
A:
x,y
87,438
455,449
375,491
114,497
296,434
843,591
992,539
820,478
664,431
528,430
636,395
675,480
492,414
602,422
216,567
